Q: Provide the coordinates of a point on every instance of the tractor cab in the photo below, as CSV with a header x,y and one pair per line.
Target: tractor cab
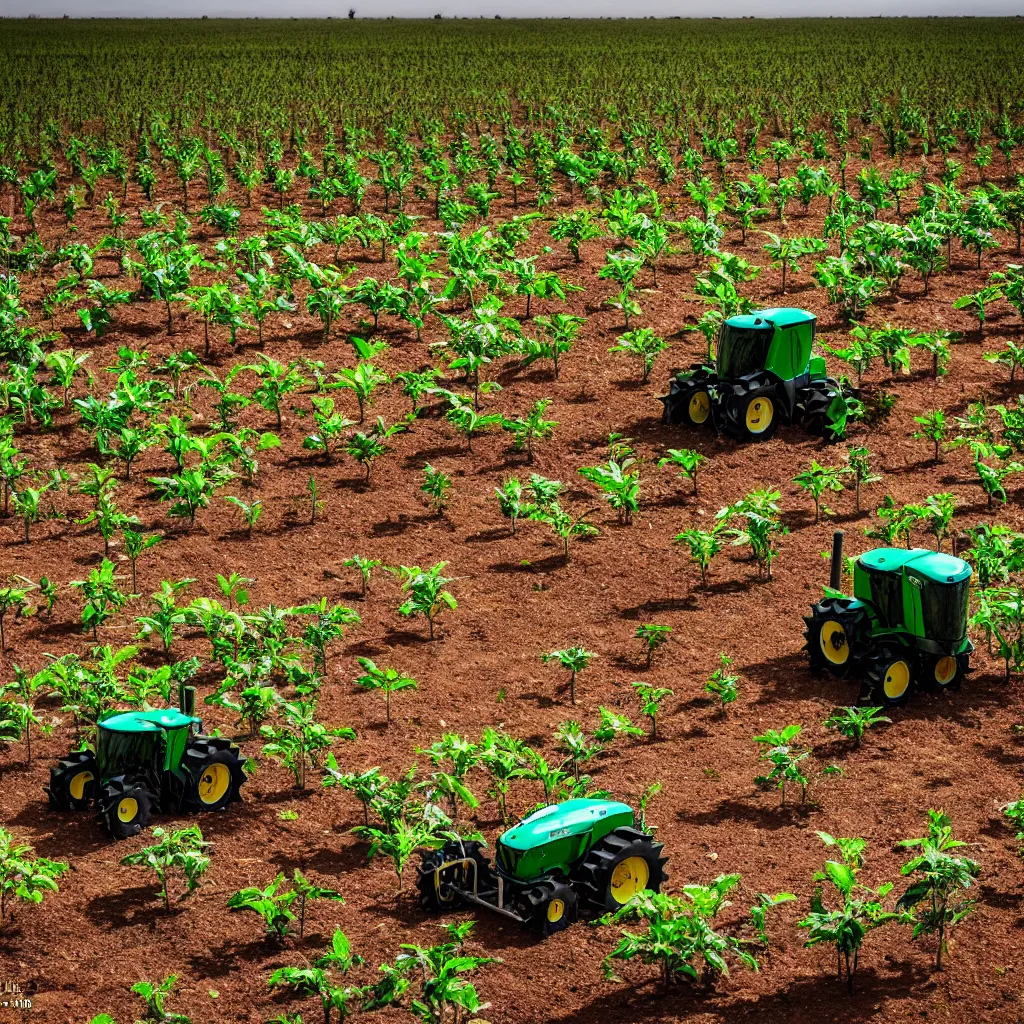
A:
x,y
778,341
148,740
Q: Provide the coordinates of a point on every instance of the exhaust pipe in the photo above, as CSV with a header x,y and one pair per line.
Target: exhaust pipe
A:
x,y
835,580
187,700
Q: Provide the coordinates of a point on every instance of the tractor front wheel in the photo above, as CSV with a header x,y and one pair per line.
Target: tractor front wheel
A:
x,y
73,782
945,672
438,887
751,410
834,635
126,805
618,867
889,676
689,401
214,767
548,907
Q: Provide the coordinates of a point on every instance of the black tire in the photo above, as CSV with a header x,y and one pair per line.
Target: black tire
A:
x,y
835,636
214,767
890,675
549,906
126,805
751,410
625,862
689,401
437,891
73,782
812,408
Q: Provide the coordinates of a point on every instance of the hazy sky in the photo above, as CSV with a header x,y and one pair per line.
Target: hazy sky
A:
x,y
507,8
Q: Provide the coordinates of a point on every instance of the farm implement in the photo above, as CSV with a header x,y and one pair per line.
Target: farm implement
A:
x,y
580,858
765,374
147,761
905,626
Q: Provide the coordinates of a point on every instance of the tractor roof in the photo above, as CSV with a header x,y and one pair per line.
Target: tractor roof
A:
x,y
571,817
787,316
146,721
930,564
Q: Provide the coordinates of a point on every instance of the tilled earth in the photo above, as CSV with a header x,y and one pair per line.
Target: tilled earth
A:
x,y
106,929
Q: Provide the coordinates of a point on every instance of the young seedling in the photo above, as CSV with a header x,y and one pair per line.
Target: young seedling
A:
x,y
653,637
364,566
853,722
613,725
426,593
315,504
759,912
686,460
651,698
937,879
178,852
643,344
816,480
933,427
574,660
722,684
298,740
389,680
24,877
574,742
274,904
436,485
858,466
527,430
703,546
250,511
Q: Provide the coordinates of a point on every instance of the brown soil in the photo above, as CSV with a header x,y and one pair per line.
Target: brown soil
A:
x,y
106,928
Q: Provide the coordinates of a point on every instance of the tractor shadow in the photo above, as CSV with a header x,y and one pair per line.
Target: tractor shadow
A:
x,y
325,860
769,817
222,961
135,905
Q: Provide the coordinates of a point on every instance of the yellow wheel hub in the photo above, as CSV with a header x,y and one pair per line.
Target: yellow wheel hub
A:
x,y
897,679
760,413
556,911
699,407
76,787
834,644
214,783
127,809
945,670
629,877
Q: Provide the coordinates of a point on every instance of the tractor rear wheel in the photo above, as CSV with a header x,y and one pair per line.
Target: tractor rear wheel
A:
x,y
437,889
624,863
214,768
834,635
548,907
73,782
813,404
751,410
689,400
890,673
126,805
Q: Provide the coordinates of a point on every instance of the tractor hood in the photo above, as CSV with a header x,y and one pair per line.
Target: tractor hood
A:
x,y
776,317
929,564
146,721
571,818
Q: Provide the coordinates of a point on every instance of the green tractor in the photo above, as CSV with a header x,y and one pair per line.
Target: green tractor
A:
x,y
580,858
148,761
765,374
905,626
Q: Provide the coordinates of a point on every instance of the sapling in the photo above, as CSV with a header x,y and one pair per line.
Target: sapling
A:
x,y
852,722
387,679
153,996
574,742
574,660
315,504
364,566
134,544
785,769
436,485
653,637
816,480
327,625
14,598
1014,814
723,684
527,430
274,903
404,837
686,460
651,698
298,740
250,511
23,876
365,786
511,502
425,592
613,725
703,546
933,428
859,467
759,912
102,598
178,852
619,479
317,980
937,879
